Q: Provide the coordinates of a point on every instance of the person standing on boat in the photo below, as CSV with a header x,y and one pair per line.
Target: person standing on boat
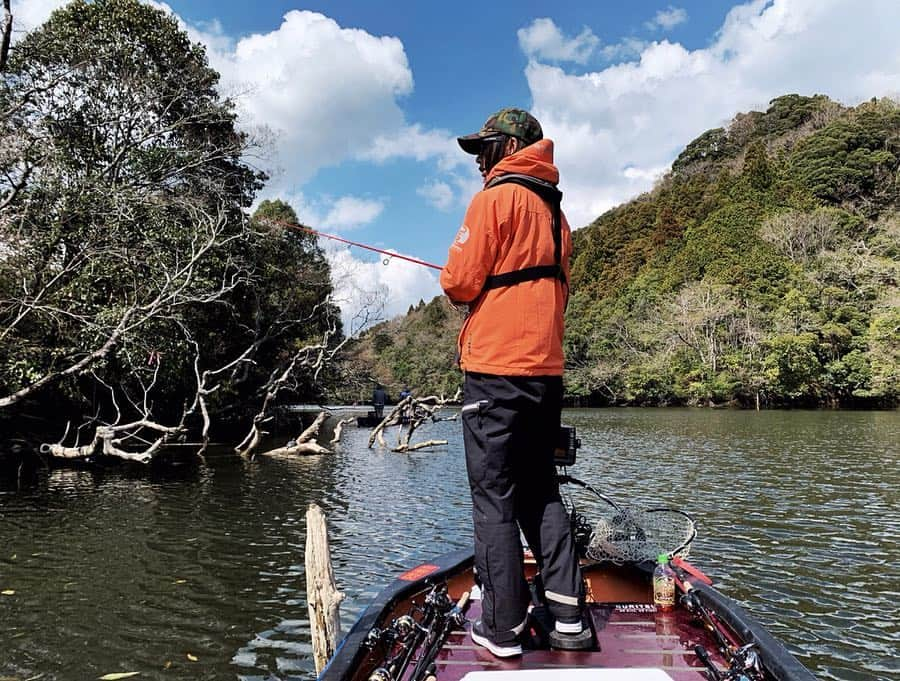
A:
x,y
509,264
379,398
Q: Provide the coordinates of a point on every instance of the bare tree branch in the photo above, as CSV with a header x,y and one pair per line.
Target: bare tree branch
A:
x,y
174,292
339,429
415,411
311,357
305,442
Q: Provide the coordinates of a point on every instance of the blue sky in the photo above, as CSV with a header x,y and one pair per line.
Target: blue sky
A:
x,y
356,104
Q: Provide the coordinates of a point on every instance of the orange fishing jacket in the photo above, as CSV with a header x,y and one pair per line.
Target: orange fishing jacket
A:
x,y
512,330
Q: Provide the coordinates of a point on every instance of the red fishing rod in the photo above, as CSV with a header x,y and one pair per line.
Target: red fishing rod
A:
x,y
309,230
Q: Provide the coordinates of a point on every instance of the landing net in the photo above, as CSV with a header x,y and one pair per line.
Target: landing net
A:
x,y
630,535
633,535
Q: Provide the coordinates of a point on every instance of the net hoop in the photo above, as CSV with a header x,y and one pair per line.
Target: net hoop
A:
x,y
624,534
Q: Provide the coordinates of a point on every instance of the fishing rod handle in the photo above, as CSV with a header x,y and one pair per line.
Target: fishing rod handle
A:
x,y
703,656
463,601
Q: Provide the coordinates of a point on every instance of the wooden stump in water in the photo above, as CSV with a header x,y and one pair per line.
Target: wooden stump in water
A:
x,y
322,596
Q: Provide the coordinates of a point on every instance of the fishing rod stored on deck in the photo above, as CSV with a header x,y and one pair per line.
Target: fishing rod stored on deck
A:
x,y
744,663
423,629
446,621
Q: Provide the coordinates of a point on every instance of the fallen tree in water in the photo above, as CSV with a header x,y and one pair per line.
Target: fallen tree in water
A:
x,y
339,429
311,357
415,411
108,440
305,443
142,437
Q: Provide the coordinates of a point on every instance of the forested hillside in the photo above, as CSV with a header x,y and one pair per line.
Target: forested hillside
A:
x,y
416,351
763,268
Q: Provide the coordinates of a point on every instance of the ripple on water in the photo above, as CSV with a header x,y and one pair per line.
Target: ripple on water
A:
x,y
133,570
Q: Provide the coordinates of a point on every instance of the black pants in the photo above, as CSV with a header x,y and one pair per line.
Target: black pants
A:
x,y
510,428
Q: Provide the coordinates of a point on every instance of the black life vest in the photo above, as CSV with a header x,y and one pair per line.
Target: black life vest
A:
x,y
553,197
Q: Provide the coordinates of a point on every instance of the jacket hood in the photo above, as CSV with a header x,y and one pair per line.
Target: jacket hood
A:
x,y
535,160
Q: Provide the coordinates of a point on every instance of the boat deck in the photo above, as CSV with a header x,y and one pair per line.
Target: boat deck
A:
x,y
630,636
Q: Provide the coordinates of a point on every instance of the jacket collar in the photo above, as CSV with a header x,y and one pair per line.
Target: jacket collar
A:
x,y
535,160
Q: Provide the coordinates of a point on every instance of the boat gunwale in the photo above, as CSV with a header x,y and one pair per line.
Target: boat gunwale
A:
x,y
777,660
775,657
349,651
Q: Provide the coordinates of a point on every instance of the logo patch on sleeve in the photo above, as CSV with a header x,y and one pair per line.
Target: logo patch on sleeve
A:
x,y
462,236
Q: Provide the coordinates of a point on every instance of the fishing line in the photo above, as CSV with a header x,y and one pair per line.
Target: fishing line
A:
x,y
390,254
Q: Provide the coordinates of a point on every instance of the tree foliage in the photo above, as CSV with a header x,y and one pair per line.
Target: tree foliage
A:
x,y
128,266
771,283
855,159
416,351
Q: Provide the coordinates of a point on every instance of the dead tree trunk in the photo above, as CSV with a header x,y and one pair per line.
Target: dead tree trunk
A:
x,y
419,445
421,410
7,34
305,443
108,440
393,418
322,596
313,357
339,430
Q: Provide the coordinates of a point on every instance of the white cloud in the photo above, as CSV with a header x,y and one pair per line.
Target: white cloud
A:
x,y
325,91
439,194
645,174
615,128
333,213
468,184
543,40
370,291
30,14
349,212
667,18
627,48
455,188
416,143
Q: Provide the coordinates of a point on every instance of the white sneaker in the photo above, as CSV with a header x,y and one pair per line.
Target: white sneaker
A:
x,y
568,627
497,649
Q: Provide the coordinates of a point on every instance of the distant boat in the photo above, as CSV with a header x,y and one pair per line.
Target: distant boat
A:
x,y
316,408
370,420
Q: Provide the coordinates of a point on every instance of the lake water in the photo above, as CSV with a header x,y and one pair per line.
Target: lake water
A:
x,y
196,571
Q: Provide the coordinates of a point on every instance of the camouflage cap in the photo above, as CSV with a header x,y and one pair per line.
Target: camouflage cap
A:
x,y
515,122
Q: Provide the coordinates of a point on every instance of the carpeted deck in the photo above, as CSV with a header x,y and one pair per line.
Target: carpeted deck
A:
x,y
629,637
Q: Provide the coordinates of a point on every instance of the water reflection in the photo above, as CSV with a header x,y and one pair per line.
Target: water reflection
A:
x,y
196,571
